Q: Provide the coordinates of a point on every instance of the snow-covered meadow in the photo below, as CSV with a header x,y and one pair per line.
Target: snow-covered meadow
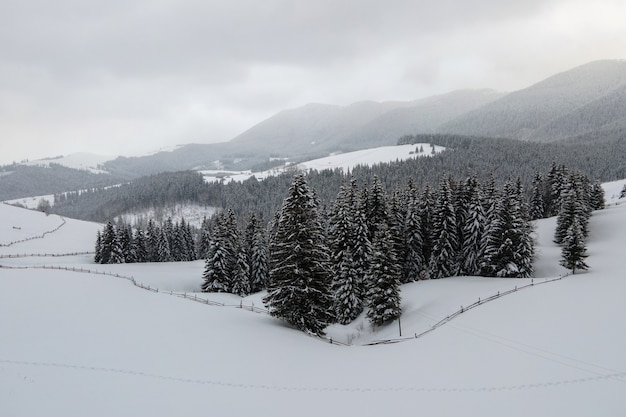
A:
x,y
344,161
79,343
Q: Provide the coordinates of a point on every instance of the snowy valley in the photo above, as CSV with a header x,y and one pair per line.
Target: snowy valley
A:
x,y
80,338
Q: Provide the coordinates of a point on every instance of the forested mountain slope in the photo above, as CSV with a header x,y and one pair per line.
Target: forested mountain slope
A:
x,y
568,104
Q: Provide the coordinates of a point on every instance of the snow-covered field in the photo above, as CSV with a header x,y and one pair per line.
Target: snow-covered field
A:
x,y
78,343
344,161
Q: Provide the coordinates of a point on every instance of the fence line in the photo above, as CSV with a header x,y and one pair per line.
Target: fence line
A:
x,y
43,255
252,308
463,309
41,236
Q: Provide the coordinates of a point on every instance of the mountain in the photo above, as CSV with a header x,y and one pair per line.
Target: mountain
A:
x,y
312,131
587,98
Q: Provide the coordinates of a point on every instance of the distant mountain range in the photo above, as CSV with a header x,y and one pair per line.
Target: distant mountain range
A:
x,y
586,103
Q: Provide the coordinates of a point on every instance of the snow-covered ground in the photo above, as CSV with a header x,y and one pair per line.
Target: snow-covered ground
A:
x,y
77,343
344,161
80,160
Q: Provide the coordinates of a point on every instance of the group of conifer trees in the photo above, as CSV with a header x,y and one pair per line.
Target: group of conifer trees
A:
x,y
322,265
170,242
328,265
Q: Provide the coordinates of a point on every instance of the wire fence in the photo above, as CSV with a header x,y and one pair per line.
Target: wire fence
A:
x,y
41,236
203,300
463,309
43,255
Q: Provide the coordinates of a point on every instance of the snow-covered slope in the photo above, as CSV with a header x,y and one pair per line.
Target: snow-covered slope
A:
x,y
77,343
344,161
81,160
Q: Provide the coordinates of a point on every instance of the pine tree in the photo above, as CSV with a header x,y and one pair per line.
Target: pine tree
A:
x,y
153,235
414,262
221,264
597,196
473,231
347,290
443,262
383,294
537,207
573,253
347,274
299,284
141,248
98,248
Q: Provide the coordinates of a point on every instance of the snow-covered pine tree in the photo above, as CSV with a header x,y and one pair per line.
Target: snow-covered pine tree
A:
x,y
125,237
426,204
597,196
347,291
573,252
299,284
508,246
259,268
98,248
537,207
377,210
257,271
163,246
141,254
153,234
383,280
444,256
204,239
221,263
346,283
414,263
473,230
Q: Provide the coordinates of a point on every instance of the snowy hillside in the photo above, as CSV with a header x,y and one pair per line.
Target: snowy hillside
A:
x,y
79,343
344,161
81,160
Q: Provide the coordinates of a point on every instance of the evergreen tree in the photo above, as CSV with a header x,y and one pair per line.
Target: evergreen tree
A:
x,y
537,207
426,205
573,253
473,230
383,294
299,284
597,196
153,235
443,262
141,248
414,262
259,272
221,264
347,290
98,249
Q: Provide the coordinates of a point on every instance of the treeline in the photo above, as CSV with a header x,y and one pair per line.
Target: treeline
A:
x,y
325,264
465,156
169,242
160,190
17,181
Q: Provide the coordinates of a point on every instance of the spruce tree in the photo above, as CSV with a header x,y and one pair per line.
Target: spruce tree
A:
x,y
444,256
383,293
473,230
573,252
414,262
537,207
299,284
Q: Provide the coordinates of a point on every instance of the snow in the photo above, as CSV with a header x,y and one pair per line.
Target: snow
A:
x,y
75,343
80,160
344,161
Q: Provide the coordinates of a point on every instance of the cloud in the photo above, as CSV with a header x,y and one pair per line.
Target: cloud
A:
x,y
108,76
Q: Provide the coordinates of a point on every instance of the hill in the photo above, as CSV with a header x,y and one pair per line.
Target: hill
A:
x,y
538,351
586,98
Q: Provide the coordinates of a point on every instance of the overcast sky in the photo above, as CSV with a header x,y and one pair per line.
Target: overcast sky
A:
x,y
132,76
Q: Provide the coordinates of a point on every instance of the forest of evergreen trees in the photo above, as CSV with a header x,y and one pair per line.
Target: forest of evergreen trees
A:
x,y
504,159
323,264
